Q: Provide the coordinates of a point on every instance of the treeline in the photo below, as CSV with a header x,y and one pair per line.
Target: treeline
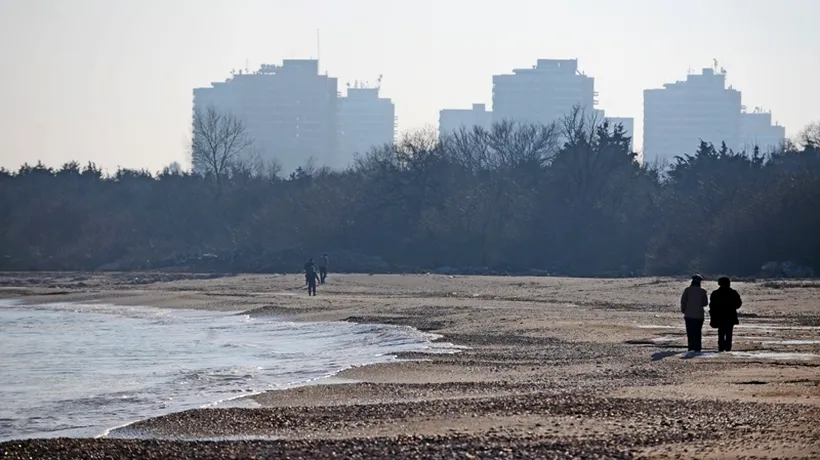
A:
x,y
568,198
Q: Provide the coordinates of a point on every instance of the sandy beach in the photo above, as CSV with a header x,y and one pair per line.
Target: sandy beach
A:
x,y
551,368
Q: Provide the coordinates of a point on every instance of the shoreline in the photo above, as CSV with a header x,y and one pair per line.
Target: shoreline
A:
x,y
553,362
248,399
427,344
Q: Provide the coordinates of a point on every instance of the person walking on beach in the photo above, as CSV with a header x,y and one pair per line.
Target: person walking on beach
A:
x,y
311,277
323,268
692,304
723,306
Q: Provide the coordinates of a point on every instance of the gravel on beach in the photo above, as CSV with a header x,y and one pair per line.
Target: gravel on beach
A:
x,y
554,368
631,425
404,447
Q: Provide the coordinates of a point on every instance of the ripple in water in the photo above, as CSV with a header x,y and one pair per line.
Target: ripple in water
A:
x,y
79,369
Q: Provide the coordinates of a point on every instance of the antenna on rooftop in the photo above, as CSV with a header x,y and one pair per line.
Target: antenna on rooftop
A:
x,y
318,46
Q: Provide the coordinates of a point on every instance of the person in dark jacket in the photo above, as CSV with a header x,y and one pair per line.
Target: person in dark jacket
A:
x,y
311,277
323,268
692,304
723,306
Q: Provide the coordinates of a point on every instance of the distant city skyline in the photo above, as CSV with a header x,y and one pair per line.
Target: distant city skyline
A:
x,y
681,114
290,112
293,115
110,82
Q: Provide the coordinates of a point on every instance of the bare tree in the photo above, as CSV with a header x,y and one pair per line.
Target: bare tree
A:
x,y
417,146
810,135
578,127
218,139
505,144
254,165
272,169
173,169
517,144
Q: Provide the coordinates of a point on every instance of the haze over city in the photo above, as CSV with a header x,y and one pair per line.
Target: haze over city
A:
x,y
398,229
111,82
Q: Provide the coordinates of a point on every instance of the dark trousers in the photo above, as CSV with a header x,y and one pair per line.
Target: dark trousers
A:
x,y
725,337
322,274
694,333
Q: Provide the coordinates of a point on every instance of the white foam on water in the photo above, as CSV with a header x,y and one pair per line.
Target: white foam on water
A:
x,y
77,369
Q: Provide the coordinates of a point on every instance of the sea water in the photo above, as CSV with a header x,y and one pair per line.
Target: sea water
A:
x,y
70,369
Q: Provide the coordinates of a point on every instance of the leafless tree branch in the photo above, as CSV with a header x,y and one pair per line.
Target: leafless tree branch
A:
x,y
218,140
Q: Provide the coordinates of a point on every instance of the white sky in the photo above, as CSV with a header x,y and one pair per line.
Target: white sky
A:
x,y
111,81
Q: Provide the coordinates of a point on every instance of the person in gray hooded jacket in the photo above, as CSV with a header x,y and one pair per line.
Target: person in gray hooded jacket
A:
x,y
692,304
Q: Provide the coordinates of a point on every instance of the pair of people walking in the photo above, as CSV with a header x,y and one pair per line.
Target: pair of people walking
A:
x,y
311,277
723,303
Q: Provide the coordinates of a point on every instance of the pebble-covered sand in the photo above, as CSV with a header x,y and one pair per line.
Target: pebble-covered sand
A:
x,y
553,368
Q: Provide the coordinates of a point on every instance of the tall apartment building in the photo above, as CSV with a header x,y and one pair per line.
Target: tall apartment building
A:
x,y
544,93
365,121
757,129
679,116
451,120
290,111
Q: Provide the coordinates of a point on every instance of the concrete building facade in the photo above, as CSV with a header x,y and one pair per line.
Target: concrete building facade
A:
x,y
452,120
290,111
681,114
365,121
544,93
757,129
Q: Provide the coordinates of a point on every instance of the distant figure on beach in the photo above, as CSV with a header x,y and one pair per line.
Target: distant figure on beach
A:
x,y
323,268
692,304
310,276
723,306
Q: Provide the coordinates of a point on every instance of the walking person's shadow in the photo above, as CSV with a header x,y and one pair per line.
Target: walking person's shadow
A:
x,y
657,356
688,355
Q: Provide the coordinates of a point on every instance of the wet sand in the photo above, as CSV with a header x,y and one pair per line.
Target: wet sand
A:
x,y
555,368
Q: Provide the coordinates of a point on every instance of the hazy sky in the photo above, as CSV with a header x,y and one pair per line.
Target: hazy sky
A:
x,y
111,81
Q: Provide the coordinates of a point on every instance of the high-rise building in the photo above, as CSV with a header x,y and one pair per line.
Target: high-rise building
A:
x,y
290,111
543,94
757,130
365,121
679,116
451,120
